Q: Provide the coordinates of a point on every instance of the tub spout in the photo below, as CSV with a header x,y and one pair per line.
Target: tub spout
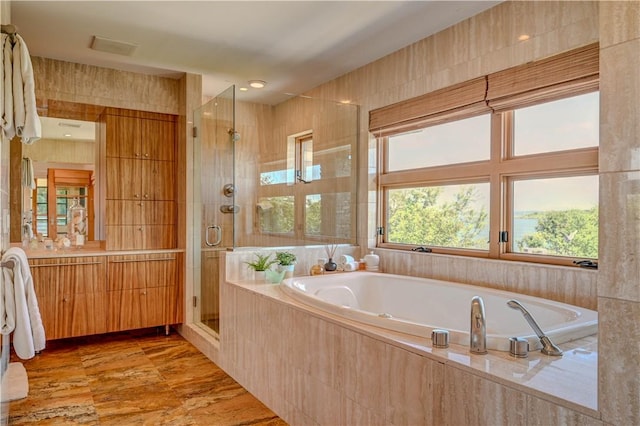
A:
x,y
478,333
548,347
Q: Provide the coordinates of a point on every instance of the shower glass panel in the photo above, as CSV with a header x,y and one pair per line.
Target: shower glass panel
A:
x,y
215,203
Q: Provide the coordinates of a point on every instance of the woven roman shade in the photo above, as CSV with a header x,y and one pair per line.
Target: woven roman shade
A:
x,y
569,73
461,100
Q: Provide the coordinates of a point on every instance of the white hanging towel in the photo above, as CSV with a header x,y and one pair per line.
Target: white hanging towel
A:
x,y
25,113
28,180
7,88
7,306
28,336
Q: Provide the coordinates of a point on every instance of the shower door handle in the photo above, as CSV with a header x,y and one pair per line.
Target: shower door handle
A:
x,y
218,235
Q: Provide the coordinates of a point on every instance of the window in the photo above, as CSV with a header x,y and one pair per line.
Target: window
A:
x,y
40,207
305,188
516,179
450,143
442,216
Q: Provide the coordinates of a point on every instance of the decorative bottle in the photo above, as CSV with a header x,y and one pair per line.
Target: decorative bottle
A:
x,y
318,268
330,266
372,261
76,223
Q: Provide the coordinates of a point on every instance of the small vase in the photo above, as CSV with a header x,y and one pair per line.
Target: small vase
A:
x,y
287,269
330,266
259,276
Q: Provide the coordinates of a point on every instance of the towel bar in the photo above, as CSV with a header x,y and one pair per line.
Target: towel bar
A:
x,y
8,264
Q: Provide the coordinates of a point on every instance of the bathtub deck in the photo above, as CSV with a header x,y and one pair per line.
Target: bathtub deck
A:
x,y
570,380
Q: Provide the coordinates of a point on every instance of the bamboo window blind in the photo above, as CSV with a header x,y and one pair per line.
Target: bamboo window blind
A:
x,y
569,73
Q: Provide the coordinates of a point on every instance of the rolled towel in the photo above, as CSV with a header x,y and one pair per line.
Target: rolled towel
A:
x,y
350,266
344,259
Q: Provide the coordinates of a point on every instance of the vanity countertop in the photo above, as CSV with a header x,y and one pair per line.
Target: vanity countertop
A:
x,y
91,249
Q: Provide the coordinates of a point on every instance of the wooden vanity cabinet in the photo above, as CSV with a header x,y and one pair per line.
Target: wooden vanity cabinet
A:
x,y
72,296
139,152
143,291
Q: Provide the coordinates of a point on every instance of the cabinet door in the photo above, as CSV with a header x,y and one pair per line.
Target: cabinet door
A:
x,y
142,290
124,237
124,179
157,139
71,294
124,212
123,136
158,180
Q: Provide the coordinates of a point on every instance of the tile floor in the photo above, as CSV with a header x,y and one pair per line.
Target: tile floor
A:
x,y
133,378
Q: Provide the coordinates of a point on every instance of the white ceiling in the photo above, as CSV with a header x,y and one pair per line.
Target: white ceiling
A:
x,y
58,128
293,45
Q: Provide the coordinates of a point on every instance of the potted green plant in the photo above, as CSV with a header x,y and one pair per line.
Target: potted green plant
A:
x,y
261,263
286,262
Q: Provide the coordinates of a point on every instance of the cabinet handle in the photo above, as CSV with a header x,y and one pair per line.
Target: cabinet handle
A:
x,y
146,195
65,264
146,155
136,195
65,299
141,229
137,154
161,259
140,204
144,293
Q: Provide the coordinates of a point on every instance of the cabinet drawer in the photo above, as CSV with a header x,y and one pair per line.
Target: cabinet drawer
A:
x,y
130,309
129,212
68,275
127,272
140,237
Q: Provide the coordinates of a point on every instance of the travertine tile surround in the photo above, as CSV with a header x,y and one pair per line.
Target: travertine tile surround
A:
x,y
619,273
313,368
71,82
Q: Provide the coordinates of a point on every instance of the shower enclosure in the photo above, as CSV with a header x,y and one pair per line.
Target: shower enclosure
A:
x,y
269,175
214,193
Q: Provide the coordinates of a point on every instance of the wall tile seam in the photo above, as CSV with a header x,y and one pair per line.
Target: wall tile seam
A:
x,y
618,44
613,298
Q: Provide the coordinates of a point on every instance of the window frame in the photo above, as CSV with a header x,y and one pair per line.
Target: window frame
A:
x,y
499,171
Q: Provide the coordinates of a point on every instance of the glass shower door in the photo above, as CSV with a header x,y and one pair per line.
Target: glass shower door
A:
x,y
214,197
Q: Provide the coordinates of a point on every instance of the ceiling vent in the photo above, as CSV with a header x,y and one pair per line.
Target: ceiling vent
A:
x,y
113,46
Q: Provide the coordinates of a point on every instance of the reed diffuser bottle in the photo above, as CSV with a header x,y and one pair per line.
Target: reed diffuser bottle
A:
x,y
330,266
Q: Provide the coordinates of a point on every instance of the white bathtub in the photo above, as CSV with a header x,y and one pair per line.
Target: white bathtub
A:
x,y
417,306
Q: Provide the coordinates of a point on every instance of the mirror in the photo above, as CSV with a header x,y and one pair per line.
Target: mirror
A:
x,y
63,165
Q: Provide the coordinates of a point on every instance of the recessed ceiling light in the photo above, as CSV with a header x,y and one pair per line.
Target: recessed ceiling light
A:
x,y
523,37
243,89
67,135
257,84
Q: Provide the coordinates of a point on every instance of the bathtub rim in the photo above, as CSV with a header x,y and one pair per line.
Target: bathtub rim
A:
x,y
496,342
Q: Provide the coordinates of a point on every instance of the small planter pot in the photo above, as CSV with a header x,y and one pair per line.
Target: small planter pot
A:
x,y
287,269
259,276
274,277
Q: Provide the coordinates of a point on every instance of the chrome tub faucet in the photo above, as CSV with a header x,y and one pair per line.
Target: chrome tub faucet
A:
x,y
478,333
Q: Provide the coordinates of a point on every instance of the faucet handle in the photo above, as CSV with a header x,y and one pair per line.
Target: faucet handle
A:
x,y
440,338
518,347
